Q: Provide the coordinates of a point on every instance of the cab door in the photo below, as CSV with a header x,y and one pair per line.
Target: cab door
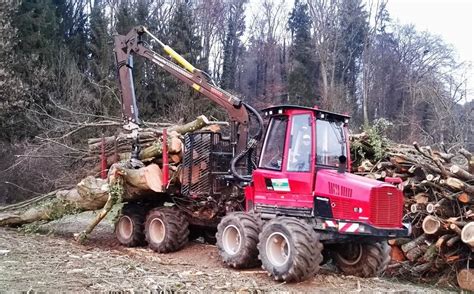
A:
x,y
284,177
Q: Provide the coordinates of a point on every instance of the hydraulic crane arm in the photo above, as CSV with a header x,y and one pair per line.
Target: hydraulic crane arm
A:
x,y
130,44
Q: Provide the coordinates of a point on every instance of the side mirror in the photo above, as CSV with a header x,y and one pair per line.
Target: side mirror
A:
x,y
341,168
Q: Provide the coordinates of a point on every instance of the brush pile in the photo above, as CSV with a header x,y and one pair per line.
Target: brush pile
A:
x,y
439,202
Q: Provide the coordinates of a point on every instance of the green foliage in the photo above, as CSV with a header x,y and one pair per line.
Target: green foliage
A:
x,y
373,145
175,99
12,87
72,28
59,208
100,62
31,228
116,192
354,28
125,18
235,29
38,31
303,67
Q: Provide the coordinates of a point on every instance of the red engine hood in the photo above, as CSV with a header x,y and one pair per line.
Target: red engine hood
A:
x,y
330,182
359,198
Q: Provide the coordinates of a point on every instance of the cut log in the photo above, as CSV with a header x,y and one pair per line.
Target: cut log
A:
x,y
430,253
442,241
421,198
416,252
432,225
459,185
467,235
416,207
455,228
384,165
465,279
465,198
470,159
440,166
430,177
175,146
365,166
199,123
396,254
414,243
446,157
420,269
137,182
399,241
461,173
453,240
443,208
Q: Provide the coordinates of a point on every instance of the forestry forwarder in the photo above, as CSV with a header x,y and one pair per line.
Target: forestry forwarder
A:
x,y
298,199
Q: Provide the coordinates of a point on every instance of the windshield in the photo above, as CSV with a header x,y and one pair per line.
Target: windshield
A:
x,y
330,142
272,152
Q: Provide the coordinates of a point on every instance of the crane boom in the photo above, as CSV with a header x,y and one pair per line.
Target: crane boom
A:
x,y
131,44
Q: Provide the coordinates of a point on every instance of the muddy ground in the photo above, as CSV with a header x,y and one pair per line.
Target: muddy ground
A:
x,y
52,261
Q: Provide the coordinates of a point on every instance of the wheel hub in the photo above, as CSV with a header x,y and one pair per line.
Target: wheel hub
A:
x,y
278,249
231,239
125,226
350,254
157,230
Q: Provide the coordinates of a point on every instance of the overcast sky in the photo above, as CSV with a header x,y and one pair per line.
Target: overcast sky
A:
x,y
451,19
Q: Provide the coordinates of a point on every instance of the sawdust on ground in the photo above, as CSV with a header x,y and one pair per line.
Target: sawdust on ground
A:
x,y
54,262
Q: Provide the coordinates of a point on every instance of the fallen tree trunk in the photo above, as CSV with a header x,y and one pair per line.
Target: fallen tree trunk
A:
x,y
90,194
93,193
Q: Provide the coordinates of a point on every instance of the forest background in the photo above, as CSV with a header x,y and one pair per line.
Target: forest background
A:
x,y
58,83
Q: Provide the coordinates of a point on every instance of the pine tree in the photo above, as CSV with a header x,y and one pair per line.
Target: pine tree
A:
x,y
38,31
36,49
12,89
72,28
303,68
100,61
353,26
235,29
125,18
181,36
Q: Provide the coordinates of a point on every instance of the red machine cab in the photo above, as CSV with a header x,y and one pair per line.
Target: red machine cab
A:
x,y
301,173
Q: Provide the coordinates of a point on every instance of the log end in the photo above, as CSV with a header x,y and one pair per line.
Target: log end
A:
x,y
431,225
467,234
465,279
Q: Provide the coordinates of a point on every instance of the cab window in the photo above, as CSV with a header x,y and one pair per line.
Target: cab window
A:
x,y
273,147
331,142
299,154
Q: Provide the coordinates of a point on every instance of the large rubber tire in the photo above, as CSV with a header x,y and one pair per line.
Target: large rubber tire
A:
x,y
362,259
290,249
129,226
166,229
237,238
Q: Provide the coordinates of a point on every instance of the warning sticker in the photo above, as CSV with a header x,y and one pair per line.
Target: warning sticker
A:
x,y
281,185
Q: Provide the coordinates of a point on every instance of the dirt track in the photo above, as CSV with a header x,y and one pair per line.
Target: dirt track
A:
x,y
55,262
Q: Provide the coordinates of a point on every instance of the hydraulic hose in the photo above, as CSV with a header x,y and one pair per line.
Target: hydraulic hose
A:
x,y
251,145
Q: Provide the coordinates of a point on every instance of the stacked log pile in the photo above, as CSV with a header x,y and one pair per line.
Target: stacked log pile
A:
x,y
118,148
439,202
123,183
